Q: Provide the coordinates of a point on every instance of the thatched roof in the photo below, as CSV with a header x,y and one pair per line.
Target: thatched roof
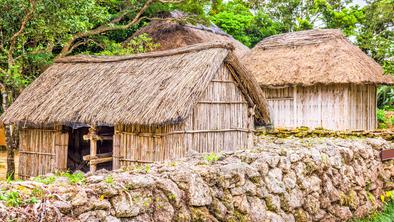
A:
x,y
170,35
145,89
312,57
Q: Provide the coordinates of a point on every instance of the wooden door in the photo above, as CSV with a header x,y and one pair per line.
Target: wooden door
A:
x,y
42,151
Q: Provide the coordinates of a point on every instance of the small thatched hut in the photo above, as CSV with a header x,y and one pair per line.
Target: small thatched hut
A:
x,y
141,108
317,78
170,35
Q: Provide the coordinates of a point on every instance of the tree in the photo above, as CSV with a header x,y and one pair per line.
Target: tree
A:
x,y
376,34
251,21
237,19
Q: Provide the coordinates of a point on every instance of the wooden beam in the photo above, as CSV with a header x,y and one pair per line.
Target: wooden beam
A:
x,y
222,102
387,154
106,137
100,155
136,161
96,161
97,137
38,153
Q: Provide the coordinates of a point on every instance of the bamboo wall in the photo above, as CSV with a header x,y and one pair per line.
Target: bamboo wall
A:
x,y
221,121
332,107
42,151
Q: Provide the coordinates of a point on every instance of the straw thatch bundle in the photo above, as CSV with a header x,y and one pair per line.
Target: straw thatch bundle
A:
x,y
146,89
170,35
312,57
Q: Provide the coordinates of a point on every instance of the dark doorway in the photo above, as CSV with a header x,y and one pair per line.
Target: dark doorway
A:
x,y
78,147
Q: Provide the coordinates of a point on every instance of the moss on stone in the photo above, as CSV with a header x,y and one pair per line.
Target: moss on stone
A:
x,y
300,216
270,204
200,214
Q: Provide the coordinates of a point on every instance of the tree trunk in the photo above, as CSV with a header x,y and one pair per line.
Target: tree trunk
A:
x,y
11,134
10,153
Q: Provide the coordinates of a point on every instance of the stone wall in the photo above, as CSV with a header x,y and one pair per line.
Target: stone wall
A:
x,y
312,179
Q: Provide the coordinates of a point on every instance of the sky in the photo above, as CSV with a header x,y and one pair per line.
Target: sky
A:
x,y
359,2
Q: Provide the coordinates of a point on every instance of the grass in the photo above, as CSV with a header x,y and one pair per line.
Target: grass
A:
x,y
73,178
211,158
387,215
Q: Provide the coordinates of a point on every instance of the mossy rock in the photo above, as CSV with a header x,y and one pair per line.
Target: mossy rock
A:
x,y
300,216
238,217
201,214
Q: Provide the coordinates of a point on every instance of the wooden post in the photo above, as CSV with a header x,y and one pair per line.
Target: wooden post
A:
x,y
93,148
116,151
92,137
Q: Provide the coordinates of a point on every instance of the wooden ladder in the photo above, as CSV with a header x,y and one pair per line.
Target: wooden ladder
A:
x,y
95,158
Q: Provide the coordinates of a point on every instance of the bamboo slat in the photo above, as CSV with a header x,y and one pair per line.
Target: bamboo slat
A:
x,y
337,107
116,151
36,152
42,151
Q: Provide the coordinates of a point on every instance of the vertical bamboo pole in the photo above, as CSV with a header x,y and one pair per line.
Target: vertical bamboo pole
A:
x,y
93,148
295,120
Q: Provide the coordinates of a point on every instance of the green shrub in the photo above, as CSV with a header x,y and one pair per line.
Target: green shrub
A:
x,y
385,97
392,120
380,115
109,179
73,178
211,158
382,126
45,180
386,215
11,198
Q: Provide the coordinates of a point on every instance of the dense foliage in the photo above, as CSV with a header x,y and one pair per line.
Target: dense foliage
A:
x,y
34,32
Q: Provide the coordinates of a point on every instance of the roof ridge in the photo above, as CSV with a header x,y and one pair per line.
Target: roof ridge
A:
x,y
299,38
187,49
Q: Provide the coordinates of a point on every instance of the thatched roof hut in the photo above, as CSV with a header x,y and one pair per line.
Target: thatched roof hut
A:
x,y
320,73
170,35
321,56
142,108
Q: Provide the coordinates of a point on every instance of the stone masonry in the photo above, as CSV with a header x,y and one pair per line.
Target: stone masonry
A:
x,y
311,179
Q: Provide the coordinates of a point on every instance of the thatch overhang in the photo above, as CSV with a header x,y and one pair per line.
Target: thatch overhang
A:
x,y
170,35
145,89
321,56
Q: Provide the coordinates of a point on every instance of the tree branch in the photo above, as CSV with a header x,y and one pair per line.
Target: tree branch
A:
x,y
76,45
110,26
13,39
68,47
